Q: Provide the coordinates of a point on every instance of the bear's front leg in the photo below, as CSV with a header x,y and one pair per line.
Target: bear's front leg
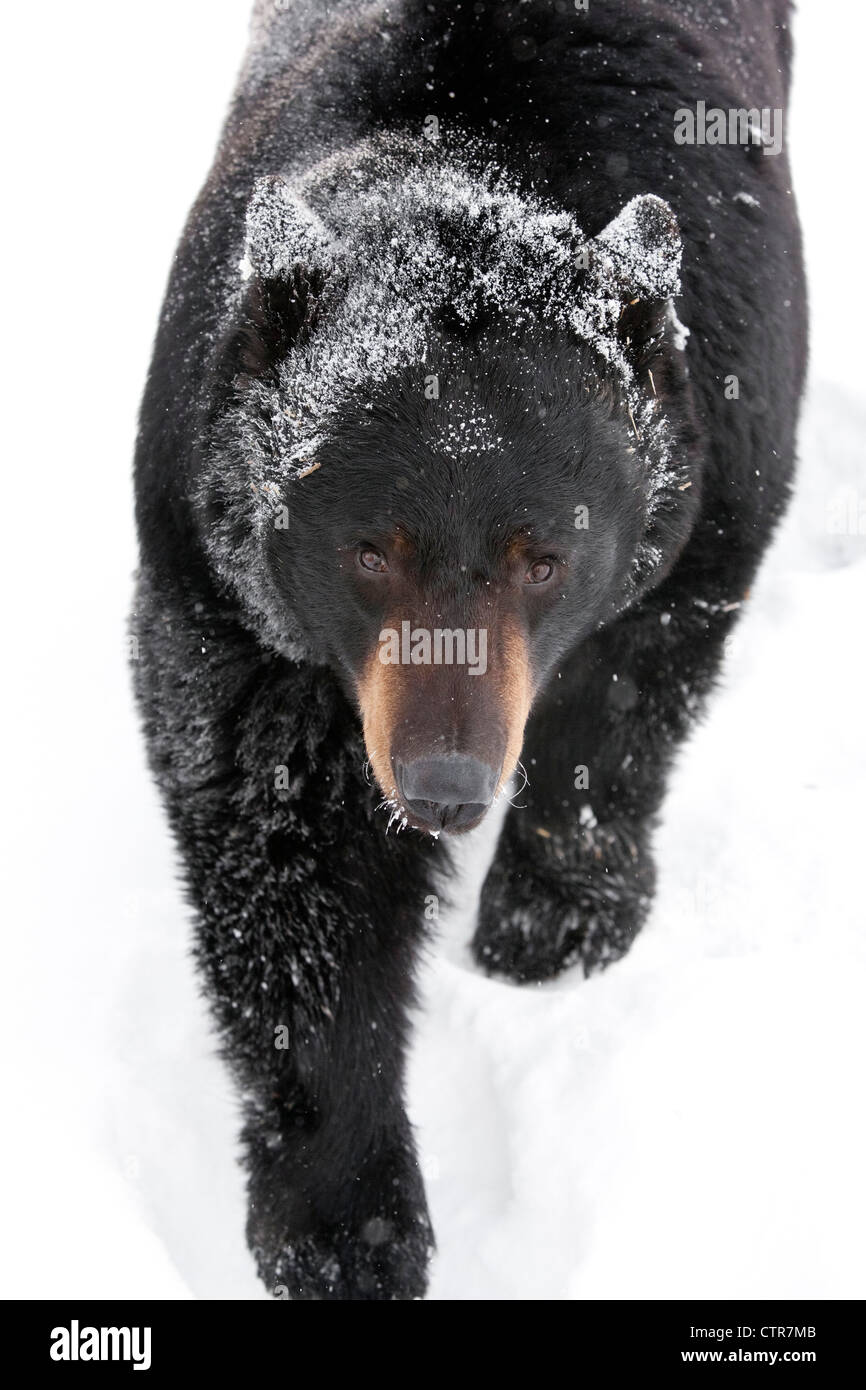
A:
x,y
319,925
557,898
573,876
309,922
337,1207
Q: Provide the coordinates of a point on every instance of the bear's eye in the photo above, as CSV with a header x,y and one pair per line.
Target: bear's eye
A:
x,y
371,559
540,572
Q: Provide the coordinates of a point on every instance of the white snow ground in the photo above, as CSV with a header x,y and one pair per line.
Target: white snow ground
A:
x,y
689,1124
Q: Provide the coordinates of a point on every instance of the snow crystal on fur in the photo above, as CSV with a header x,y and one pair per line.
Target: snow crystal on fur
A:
x,y
637,255
281,231
393,227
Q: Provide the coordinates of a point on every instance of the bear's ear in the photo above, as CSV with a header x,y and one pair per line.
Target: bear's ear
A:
x,y
286,260
632,272
641,329
282,232
274,315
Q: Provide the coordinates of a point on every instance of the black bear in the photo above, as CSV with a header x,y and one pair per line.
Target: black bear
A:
x,y
472,410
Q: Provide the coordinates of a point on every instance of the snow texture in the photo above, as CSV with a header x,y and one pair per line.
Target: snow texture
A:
x,y
391,265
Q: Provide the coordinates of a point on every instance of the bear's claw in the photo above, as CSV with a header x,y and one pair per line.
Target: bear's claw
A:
x,y
545,910
373,1265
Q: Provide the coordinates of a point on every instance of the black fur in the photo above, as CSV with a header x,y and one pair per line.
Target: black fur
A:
x,y
309,915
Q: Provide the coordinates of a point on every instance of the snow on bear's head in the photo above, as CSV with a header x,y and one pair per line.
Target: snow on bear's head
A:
x,y
425,363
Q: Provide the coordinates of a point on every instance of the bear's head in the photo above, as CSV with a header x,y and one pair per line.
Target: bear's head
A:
x,y
450,438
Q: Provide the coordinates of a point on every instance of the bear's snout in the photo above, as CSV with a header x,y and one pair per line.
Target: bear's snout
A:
x,y
451,792
442,742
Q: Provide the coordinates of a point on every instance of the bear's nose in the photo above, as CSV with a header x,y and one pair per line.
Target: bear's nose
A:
x,y
449,792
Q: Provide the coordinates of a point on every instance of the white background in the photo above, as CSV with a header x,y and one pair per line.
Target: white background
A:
x,y
690,1124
